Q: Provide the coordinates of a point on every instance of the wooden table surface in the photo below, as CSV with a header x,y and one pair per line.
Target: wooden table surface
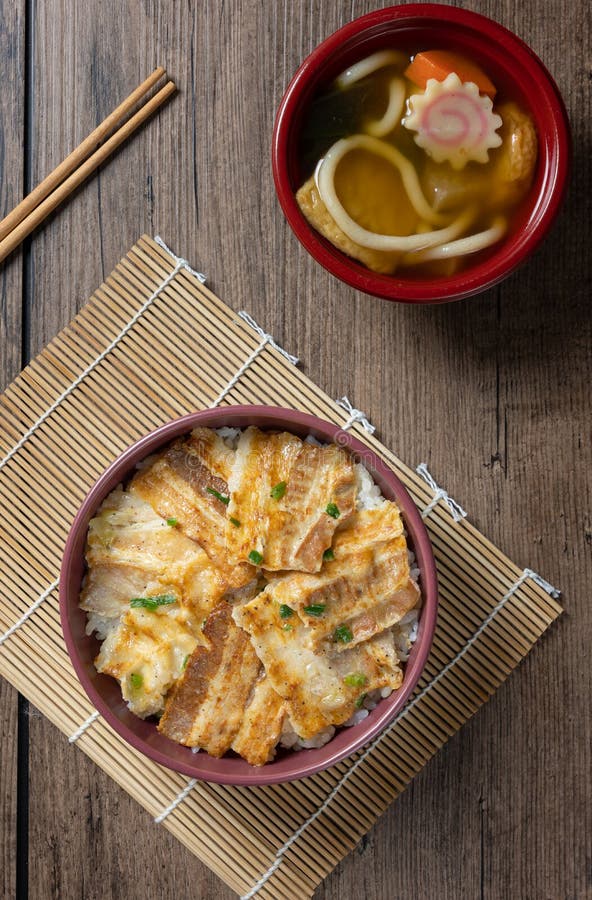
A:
x,y
493,392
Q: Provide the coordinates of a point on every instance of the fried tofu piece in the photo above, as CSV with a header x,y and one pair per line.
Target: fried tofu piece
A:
x,y
185,483
287,497
517,156
206,706
317,214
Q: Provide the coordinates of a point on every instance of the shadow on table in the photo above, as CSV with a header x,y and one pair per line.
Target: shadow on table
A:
x,y
541,314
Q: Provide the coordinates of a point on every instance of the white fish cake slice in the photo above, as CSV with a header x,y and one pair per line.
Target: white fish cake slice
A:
x,y
287,497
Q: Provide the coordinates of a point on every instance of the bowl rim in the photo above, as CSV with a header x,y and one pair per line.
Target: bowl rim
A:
x,y
513,251
304,762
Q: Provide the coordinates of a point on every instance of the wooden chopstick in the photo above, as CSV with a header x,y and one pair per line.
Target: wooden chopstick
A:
x,y
74,159
79,165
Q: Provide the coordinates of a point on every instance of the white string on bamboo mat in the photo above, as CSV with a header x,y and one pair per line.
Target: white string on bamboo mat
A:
x,y
355,415
527,573
179,264
179,261
265,340
455,508
178,799
29,611
268,337
84,727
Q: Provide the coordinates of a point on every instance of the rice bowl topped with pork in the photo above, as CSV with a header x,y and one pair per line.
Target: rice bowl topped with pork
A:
x,y
251,593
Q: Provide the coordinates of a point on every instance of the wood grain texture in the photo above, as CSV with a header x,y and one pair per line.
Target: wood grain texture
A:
x,y
8,787
12,65
493,393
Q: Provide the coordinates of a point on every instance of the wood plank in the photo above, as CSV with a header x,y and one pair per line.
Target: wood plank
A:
x,y
8,787
12,63
90,839
504,424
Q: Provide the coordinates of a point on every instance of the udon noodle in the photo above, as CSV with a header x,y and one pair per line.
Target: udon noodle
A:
x,y
419,171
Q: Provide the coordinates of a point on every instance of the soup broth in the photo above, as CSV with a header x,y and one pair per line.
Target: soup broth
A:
x,y
410,167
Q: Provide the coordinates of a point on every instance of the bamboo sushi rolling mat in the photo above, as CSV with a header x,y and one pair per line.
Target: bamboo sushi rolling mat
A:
x,y
152,344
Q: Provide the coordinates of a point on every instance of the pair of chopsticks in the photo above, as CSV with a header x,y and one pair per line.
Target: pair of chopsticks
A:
x,y
76,168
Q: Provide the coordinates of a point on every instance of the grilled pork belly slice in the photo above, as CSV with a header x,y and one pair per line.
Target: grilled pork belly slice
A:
x,y
319,688
206,706
363,589
132,552
146,650
287,497
262,723
325,639
148,590
188,482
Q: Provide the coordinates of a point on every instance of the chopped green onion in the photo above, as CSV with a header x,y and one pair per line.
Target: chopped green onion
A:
x,y
255,557
185,661
234,522
332,510
152,603
278,491
343,634
136,681
218,496
360,700
328,554
315,609
172,522
286,626
286,611
355,679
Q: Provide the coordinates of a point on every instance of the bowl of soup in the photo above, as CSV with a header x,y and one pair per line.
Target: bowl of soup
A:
x,y
421,153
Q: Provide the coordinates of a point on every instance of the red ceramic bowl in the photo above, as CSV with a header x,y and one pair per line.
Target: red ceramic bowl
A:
x,y
518,74
104,691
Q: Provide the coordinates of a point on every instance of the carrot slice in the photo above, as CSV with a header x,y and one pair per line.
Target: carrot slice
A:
x,y
439,64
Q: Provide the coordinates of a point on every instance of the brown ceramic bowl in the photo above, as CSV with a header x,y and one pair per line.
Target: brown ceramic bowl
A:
x,y
104,691
518,73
